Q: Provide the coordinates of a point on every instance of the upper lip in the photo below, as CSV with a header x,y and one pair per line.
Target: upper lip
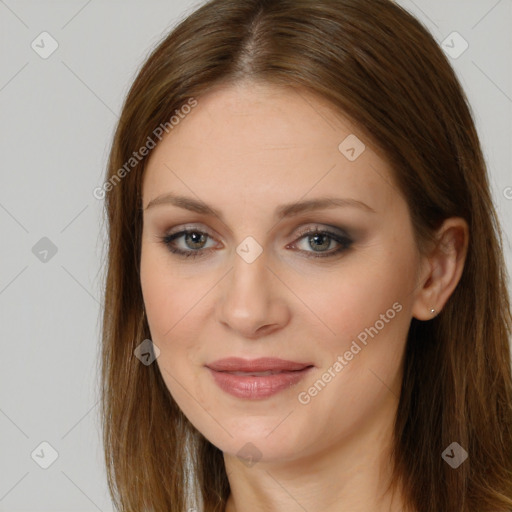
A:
x,y
238,364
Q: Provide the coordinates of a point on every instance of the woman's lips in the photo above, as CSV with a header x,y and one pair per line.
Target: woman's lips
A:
x,y
257,379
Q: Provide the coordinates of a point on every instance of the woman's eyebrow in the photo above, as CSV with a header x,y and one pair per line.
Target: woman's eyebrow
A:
x,y
286,210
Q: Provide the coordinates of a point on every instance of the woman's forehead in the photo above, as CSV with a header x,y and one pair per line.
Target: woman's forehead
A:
x,y
260,139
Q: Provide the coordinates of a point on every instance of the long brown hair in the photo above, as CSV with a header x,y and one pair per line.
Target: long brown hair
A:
x,y
379,66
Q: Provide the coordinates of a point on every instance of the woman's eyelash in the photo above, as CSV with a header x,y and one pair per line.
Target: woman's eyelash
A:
x,y
344,241
168,241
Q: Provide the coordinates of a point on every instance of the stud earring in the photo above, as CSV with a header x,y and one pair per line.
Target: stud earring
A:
x,y
432,311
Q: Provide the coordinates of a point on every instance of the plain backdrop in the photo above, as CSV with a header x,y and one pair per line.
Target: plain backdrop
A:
x,y
57,119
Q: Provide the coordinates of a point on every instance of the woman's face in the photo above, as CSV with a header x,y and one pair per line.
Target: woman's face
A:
x,y
259,284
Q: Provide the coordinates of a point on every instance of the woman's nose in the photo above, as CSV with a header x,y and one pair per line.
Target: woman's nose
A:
x,y
252,300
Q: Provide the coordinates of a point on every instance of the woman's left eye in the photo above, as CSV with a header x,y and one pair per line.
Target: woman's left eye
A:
x,y
195,242
323,238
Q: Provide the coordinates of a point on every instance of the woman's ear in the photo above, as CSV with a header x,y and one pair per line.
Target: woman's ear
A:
x,y
441,268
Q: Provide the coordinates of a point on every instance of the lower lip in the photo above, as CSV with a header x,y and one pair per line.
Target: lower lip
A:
x,y
257,388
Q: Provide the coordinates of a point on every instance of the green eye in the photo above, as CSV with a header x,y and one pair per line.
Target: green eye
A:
x,y
196,240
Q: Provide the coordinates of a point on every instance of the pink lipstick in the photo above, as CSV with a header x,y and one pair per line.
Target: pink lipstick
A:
x,y
258,378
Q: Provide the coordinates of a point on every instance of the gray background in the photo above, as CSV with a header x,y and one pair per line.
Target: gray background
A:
x,y
57,119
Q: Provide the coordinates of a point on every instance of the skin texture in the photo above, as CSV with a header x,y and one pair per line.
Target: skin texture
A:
x,y
245,150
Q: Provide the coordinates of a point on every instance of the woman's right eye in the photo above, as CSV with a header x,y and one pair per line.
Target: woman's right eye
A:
x,y
191,237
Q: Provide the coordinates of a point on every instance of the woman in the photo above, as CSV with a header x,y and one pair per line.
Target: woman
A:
x,y
305,302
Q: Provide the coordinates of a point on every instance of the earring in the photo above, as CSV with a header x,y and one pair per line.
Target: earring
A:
x,y
432,311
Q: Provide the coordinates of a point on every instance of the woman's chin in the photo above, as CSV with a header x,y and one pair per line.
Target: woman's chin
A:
x,y
260,451
259,443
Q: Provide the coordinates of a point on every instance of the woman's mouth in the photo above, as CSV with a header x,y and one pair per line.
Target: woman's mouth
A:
x,y
256,379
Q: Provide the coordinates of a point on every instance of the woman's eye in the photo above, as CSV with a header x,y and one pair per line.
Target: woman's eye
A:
x,y
193,243
321,240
